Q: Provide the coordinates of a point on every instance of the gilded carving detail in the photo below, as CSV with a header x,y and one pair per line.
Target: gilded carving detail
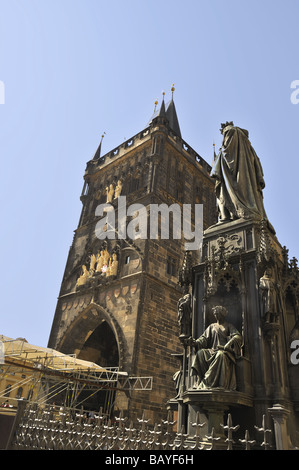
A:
x,y
109,193
113,193
103,264
118,189
84,276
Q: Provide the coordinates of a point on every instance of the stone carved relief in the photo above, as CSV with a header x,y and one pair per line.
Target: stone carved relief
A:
x,y
228,244
266,251
84,277
102,260
71,308
217,266
118,189
109,193
113,265
113,193
102,265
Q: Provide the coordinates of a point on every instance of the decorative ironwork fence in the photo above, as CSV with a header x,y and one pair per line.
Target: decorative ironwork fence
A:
x,y
69,429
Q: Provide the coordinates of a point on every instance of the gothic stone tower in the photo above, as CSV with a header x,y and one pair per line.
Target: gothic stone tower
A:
x,y
117,304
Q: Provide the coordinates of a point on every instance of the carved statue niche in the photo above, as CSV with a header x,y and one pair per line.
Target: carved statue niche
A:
x,y
83,278
118,189
109,193
217,350
185,316
269,295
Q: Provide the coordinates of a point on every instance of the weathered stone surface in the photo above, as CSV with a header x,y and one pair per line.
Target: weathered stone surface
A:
x,y
138,306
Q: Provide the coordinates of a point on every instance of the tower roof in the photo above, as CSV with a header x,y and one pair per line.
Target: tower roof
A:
x,y
97,155
168,111
173,118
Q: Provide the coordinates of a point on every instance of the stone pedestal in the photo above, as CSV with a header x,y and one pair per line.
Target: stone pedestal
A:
x,y
279,415
212,405
234,258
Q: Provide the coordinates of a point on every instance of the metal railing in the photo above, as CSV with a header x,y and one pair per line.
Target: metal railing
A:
x,y
45,428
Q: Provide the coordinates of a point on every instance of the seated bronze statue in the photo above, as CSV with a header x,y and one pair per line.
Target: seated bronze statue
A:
x,y
217,350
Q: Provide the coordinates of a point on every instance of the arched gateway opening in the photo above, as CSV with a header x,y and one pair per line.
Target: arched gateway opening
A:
x,y
93,338
102,349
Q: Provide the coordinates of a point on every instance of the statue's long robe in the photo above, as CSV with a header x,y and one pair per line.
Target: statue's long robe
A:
x,y
213,366
269,295
239,176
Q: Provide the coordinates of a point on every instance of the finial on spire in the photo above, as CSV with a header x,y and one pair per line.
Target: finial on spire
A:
x,y
214,154
98,152
100,146
163,93
103,137
172,89
156,104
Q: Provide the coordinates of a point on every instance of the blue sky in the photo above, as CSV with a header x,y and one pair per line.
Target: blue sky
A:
x,y
73,69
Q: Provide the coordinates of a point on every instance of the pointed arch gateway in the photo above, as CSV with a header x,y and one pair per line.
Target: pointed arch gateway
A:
x,y
94,336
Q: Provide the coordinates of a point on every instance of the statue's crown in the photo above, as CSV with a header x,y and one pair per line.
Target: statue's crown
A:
x,y
224,125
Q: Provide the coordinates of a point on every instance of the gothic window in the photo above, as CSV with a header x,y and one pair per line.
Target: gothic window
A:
x,y
130,262
85,189
135,183
171,265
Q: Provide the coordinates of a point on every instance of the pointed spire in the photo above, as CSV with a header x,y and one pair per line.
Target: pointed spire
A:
x,y
162,112
172,115
98,152
169,112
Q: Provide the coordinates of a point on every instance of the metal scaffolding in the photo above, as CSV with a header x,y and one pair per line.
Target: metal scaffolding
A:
x,y
49,373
